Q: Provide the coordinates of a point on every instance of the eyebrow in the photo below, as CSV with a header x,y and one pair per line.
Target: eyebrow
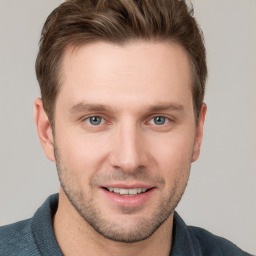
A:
x,y
82,107
174,106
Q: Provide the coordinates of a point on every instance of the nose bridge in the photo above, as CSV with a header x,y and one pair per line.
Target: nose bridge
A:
x,y
128,152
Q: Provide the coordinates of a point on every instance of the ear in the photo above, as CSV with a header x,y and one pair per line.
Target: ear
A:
x,y
44,129
199,133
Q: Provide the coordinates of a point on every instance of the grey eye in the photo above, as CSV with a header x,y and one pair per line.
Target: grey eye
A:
x,y
95,120
159,120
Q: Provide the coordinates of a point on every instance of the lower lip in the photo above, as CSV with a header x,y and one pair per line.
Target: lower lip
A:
x,y
128,201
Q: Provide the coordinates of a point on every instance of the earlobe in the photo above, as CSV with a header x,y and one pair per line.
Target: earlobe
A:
x,y
44,129
199,133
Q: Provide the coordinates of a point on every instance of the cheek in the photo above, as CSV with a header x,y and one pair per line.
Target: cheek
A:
x,y
173,160
82,153
173,152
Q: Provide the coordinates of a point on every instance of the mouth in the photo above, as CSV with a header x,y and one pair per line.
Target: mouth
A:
x,y
126,191
128,196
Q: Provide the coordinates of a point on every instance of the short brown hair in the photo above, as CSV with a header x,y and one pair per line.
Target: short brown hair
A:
x,y
77,22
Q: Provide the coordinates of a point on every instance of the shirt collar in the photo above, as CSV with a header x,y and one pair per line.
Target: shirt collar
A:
x,y
184,243
42,227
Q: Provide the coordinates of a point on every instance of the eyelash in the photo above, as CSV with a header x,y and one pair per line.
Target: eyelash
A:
x,y
90,117
103,121
166,120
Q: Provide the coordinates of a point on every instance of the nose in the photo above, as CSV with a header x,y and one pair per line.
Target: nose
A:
x,y
128,152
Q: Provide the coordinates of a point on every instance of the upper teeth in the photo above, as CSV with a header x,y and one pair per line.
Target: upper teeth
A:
x,y
123,191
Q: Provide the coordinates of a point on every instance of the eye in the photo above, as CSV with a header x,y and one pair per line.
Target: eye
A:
x,y
159,120
95,120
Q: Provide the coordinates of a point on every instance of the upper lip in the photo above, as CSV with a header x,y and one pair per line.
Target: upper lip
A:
x,y
128,186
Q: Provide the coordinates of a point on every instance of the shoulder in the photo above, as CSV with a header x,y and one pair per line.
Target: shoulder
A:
x,y
212,245
17,239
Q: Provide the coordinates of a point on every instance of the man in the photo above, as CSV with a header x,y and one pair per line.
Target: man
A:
x,y
122,115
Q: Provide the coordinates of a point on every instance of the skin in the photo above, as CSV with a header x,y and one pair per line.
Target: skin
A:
x,y
127,87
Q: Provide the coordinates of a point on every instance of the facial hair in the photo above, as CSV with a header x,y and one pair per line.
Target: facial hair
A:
x,y
142,227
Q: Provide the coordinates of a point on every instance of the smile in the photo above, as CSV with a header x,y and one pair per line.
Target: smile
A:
x,y
127,192
128,195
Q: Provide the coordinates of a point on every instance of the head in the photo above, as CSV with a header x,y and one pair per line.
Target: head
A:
x,y
122,110
79,22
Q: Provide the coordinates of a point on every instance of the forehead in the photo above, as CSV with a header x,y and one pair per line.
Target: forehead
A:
x,y
140,70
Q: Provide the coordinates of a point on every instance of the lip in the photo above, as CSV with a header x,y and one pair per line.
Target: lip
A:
x,y
128,201
128,186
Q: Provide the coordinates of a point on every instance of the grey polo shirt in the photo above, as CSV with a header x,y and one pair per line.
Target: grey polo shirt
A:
x,y
35,236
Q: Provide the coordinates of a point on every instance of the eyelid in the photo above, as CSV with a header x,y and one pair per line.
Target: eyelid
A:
x,y
166,120
107,122
168,117
88,118
104,123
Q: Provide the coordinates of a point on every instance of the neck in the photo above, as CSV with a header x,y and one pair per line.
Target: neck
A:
x,y
76,237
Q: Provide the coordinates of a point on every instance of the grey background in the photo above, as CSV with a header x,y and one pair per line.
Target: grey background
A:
x,y
222,190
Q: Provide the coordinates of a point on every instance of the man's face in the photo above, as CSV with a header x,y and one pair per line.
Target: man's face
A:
x,y
125,135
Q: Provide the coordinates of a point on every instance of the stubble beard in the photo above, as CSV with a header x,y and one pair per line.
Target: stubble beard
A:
x,y
143,227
